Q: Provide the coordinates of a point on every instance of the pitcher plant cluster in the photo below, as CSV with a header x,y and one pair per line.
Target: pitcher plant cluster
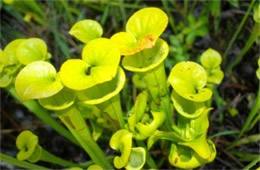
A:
x,y
170,112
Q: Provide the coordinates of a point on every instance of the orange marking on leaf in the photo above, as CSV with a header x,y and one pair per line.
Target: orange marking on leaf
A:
x,y
176,160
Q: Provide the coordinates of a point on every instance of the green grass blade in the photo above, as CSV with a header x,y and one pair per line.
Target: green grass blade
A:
x,y
16,162
253,112
105,14
171,19
227,132
242,23
246,140
249,166
43,114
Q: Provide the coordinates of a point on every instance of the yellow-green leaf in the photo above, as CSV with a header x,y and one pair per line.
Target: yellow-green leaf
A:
x,y
210,58
147,59
215,75
95,167
30,50
10,51
3,60
73,74
137,159
37,80
100,63
138,81
147,22
188,109
188,80
146,130
26,142
61,100
138,110
184,157
104,91
199,145
142,31
86,30
122,141
5,79
257,14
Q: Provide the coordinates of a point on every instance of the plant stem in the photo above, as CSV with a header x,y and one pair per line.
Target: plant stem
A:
x,y
239,28
43,114
113,108
16,162
156,84
254,35
74,121
48,157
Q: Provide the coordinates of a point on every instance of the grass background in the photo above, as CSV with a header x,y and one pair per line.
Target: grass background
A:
x,y
211,24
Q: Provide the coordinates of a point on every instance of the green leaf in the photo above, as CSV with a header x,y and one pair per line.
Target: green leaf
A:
x,y
183,157
95,167
200,124
147,22
256,15
100,63
215,75
122,141
191,37
222,133
199,145
142,31
138,110
187,108
147,59
138,81
246,140
86,30
137,159
126,42
103,56
26,142
103,92
210,58
186,158
171,136
30,50
73,74
96,129
258,70
234,3
61,100
3,60
5,79
10,51
188,80
9,2
146,130
37,80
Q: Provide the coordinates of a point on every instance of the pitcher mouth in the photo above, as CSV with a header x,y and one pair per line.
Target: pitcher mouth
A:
x,y
147,59
104,91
